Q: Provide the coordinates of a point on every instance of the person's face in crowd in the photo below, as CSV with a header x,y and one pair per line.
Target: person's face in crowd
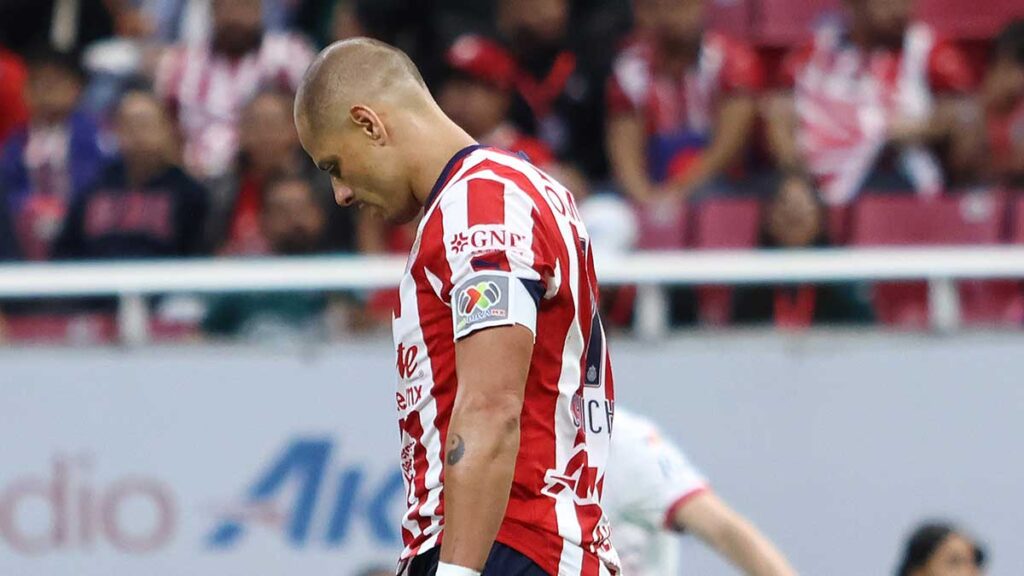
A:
x,y
293,219
954,557
475,106
345,21
885,20
237,25
51,93
1005,83
267,133
144,130
678,23
794,216
645,15
534,24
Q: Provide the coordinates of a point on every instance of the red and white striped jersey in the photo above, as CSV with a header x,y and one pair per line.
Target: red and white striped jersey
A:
x,y
501,243
846,100
208,91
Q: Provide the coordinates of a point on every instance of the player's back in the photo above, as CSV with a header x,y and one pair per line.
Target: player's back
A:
x,y
502,243
648,479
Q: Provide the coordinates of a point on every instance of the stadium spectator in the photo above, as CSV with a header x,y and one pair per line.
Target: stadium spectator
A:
x,y
13,111
477,95
268,145
207,84
795,218
559,77
871,97
143,205
293,221
65,27
50,159
940,549
1003,96
681,105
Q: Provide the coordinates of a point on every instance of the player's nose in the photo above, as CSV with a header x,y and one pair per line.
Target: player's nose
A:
x,y
343,195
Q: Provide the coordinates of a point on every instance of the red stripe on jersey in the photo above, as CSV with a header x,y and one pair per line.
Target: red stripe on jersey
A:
x,y
485,201
591,566
414,428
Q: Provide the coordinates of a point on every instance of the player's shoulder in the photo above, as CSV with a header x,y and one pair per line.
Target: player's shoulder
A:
x,y
634,427
490,173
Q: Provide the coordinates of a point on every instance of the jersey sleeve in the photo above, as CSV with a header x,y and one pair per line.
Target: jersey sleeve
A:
x,y
659,477
500,264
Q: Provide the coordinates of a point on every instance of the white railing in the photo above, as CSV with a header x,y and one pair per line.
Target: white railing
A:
x,y
651,271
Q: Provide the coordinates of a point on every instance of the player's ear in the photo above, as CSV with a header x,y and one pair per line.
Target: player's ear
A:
x,y
368,123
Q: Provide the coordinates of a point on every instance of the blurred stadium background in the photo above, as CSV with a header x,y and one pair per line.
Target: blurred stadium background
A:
x,y
809,218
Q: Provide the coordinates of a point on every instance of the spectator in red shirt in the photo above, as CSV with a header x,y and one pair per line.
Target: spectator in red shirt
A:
x,y
208,84
1003,96
269,145
477,95
13,111
867,101
269,149
681,103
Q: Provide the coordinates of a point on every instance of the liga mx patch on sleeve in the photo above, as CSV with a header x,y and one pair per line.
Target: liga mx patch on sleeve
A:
x,y
491,299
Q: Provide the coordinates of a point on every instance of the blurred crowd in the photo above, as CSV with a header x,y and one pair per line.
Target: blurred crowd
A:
x,y
163,129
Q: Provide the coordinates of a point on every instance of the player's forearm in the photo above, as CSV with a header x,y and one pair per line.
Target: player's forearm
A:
x,y
736,123
480,458
780,129
747,548
626,148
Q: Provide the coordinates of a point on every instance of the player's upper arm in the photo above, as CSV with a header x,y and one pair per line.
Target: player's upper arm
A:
x,y
501,267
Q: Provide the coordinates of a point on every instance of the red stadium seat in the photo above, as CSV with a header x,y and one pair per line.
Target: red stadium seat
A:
x,y
838,224
901,220
661,226
725,223
1017,232
731,17
80,329
967,19
789,22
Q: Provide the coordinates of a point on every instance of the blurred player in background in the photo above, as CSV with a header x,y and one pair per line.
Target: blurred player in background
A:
x,y
498,341
652,490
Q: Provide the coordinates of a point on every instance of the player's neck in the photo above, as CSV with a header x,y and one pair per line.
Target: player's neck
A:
x,y
437,145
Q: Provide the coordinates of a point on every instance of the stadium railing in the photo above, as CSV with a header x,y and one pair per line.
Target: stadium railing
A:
x,y
651,272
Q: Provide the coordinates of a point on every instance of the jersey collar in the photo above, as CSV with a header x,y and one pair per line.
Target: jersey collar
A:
x,y
448,171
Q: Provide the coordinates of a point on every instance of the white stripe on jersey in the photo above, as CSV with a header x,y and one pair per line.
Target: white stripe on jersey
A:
x,y
427,409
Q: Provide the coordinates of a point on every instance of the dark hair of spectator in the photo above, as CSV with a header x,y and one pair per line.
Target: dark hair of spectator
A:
x,y
1010,42
46,57
765,239
923,543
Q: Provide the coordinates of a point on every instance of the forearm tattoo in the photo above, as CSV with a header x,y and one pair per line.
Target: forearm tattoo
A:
x,y
456,450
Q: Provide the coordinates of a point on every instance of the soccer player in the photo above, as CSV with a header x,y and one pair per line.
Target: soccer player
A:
x,y
652,490
498,341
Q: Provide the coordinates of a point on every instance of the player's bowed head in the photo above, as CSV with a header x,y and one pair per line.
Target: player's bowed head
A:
x,y
365,116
